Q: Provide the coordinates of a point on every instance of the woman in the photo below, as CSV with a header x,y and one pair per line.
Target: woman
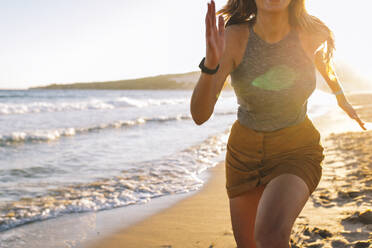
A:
x,y
273,160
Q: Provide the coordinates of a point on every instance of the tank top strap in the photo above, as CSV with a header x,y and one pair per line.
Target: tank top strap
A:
x,y
251,31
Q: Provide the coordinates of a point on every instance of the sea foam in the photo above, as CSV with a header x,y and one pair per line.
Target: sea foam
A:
x,y
121,102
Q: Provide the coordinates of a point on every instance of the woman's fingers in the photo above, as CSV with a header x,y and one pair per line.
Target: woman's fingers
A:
x,y
352,113
213,14
360,122
220,30
213,18
214,36
208,23
355,116
221,26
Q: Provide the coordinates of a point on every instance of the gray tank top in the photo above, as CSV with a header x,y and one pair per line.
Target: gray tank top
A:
x,y
273,83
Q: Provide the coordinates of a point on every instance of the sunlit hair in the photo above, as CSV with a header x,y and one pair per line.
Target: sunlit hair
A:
x,y
238,11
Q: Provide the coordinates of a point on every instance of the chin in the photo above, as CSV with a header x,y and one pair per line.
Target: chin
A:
x,y
273,5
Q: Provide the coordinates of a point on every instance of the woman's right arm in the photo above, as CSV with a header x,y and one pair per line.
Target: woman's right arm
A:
x,y
219,51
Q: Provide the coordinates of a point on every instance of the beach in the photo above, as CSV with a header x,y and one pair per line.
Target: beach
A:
x,y
337,214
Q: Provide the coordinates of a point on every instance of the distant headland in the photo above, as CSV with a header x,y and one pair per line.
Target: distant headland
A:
x,y
186,81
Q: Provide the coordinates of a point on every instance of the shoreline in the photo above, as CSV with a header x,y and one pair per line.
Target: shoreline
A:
x,y
80,229
191,216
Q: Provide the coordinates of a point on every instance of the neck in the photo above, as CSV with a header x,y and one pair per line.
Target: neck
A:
x,y
272,26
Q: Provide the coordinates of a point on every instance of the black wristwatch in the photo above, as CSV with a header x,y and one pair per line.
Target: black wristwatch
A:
x,y
207,70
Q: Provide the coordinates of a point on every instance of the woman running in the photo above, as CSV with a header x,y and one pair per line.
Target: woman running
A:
x,y
274,156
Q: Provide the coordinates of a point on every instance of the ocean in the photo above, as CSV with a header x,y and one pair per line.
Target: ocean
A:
x,y
71,151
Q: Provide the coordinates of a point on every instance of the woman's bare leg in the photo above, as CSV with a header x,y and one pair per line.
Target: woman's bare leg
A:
x,y
243,209
281,202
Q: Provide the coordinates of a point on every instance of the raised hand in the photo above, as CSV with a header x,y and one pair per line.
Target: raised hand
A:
x,y
215,38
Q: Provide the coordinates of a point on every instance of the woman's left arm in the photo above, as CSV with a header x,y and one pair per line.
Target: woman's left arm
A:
x,y
329,75
315,51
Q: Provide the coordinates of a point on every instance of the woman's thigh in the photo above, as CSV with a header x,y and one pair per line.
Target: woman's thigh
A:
x,y
281,202
243,209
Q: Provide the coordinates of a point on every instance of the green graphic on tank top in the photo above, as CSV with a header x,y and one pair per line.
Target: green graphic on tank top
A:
x,y
277,78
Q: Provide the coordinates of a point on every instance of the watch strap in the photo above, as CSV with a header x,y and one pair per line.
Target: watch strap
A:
x,y
206,69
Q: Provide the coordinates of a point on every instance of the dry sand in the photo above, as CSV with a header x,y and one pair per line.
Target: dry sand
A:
x,y
337,214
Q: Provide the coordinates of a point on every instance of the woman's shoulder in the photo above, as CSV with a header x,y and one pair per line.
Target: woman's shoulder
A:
x,y
237,33
237,26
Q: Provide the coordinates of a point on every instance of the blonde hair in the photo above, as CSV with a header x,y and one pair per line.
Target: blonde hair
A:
x,y
238,11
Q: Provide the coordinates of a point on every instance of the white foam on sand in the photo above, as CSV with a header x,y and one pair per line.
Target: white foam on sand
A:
x,y
81,229
78,230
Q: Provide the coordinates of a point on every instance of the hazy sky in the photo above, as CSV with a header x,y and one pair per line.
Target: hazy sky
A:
x,y
63,41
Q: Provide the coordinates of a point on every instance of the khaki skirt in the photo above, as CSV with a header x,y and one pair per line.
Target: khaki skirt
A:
x,y
254,158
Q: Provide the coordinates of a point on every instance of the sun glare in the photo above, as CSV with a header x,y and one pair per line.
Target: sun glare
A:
x,y
347,21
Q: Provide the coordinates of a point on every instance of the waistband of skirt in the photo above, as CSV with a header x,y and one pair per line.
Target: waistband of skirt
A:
x,y
297,127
